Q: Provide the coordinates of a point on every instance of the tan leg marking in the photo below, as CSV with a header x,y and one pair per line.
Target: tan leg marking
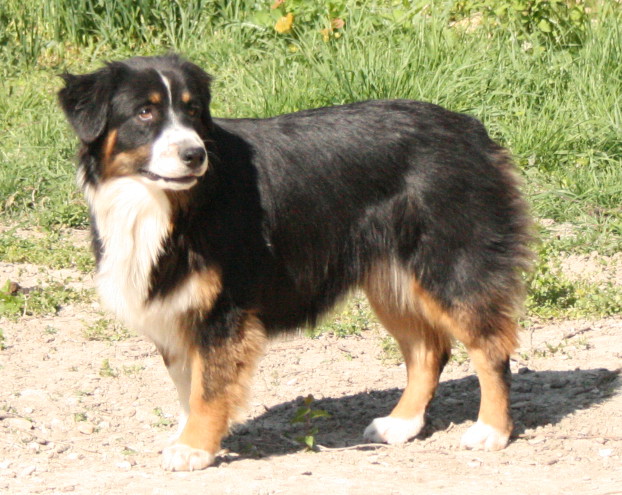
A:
x,y
490,339
220,376
424,348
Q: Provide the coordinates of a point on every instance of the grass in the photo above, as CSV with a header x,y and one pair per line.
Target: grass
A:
x,y
554,98
38,301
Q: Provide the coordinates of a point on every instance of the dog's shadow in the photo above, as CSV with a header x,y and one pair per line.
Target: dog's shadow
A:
x,y
538,399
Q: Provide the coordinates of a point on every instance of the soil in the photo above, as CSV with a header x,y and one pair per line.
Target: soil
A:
x,y
91,416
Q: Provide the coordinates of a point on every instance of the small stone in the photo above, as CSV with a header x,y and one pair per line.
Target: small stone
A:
x,y
62,448
124,465
34,446
27,471
19,424
537,440
605,452
86,428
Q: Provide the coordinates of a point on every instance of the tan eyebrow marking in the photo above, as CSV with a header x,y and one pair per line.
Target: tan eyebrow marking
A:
x,y
155,98
186,96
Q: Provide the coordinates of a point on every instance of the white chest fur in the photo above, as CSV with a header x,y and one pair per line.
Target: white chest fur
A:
x,y
133,221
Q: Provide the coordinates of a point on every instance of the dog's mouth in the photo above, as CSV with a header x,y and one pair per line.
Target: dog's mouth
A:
x,y
186,179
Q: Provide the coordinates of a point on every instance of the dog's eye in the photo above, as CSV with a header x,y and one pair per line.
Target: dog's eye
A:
x,y
146,114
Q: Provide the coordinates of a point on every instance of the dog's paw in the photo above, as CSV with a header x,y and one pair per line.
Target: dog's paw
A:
x,y
481,436
180,457
393,430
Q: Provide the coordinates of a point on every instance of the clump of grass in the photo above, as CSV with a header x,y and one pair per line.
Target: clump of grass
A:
x,y
354,318
164,420
104,329
47,300
55,250
106,370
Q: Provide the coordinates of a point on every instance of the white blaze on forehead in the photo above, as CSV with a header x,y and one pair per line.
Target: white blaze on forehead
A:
x,y
175,136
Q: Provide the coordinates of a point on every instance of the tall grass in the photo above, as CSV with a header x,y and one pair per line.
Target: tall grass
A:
x,y
555,105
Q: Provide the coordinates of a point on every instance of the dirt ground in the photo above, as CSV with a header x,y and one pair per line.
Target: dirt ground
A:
x,y
90,416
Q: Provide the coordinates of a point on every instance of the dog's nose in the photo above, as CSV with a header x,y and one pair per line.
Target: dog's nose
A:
x,y
193,157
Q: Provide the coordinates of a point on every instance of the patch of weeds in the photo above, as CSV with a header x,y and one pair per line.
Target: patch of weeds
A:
x,y
54,251
164,420
107,370
50,330
2,344
551,294
80,417
133,370
16,301
352,320
129,451
305,415
107,330
10,302
391,354
459,354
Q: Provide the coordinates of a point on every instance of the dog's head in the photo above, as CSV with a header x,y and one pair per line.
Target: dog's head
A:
x,y
146,117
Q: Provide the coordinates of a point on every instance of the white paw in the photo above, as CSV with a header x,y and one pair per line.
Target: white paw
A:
x,y
393,430
481,436
180,457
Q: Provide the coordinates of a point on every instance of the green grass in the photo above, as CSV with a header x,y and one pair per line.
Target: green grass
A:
x,y
551,94
39,301
55,250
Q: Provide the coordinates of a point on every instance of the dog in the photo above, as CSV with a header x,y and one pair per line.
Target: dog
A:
x,y
213,234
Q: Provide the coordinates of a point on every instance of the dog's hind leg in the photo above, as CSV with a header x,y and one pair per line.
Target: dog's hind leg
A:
x,y
426,350
490,334
490,354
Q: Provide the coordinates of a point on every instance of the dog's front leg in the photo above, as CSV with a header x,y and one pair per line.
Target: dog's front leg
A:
x,y
221,369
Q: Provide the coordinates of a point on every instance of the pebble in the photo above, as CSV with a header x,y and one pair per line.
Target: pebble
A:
x,y
124,465
27,471
19,424
86,428
605,452
34,446
62,448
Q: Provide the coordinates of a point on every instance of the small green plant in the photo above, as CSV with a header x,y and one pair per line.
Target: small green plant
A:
x,y
80,417
354,318
107,370
305,415
562,22
390,354
133,369
11,303
104,329
2,344
164,420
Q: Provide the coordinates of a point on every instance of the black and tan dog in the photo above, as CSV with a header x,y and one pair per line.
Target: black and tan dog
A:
x,y
213,234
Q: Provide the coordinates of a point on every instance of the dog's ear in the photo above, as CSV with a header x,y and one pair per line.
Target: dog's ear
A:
x,y
85,99
202,81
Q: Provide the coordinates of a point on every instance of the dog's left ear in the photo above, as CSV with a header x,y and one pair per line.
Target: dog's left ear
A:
x,y
202,80
85,99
